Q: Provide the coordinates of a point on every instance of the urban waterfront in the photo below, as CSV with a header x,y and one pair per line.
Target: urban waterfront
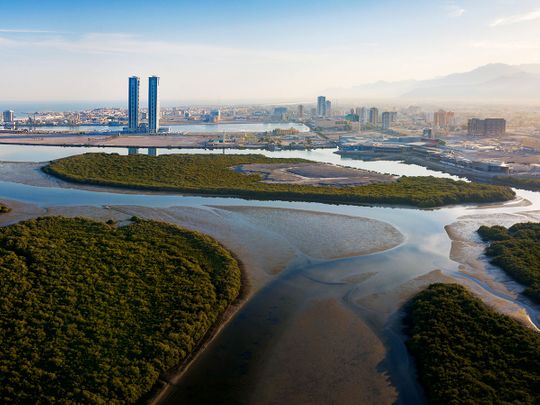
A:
x,y
187,128
265,203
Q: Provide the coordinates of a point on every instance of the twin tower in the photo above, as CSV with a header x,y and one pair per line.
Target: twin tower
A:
x,y
153,104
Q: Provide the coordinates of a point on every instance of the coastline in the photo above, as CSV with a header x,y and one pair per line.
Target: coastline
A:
x,y
490,283
170,378
252,280
416,191
377,311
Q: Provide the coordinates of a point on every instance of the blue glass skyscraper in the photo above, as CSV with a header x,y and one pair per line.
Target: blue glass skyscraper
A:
x,y
153,104
133,104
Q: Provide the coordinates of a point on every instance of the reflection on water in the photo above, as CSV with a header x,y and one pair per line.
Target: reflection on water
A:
x,y
227,371
25,153
188,128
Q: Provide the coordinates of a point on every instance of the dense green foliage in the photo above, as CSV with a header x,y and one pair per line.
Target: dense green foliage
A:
x,y
212,174
517,251
3,209
526,183
93,313
468,354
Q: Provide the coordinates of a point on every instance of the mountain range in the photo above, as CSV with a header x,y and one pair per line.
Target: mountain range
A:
x,y
489,82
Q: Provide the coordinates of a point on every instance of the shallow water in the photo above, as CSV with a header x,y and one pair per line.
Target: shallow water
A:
x,y
25,153
231,368
187,128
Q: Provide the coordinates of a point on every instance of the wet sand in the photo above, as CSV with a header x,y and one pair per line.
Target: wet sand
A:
x,y
489,282
326,355
314,174
138,141
320,324
336,355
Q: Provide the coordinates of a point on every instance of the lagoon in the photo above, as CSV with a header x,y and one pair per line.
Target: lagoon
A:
x,y
355,296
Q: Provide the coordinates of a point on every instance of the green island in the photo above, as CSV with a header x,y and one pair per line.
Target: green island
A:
x,y
516,250
93,313
467,353
526,183
4,209
213,175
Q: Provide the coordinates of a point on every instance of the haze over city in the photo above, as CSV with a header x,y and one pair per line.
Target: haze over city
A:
x,y
270,202
252,50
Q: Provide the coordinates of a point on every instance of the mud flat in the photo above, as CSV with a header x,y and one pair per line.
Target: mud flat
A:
x,y
323,333
314,174
489,282
159,141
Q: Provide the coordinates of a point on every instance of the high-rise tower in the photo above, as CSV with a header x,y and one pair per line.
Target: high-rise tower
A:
x,y
133,104
153,104
321,106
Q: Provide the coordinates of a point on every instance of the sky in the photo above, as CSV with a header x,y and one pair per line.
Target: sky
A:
x,y
239,50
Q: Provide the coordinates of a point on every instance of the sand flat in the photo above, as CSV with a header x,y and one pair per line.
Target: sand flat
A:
x,y
313,174
326,355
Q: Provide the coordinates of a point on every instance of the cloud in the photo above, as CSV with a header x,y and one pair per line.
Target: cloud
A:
x,y
25,31
453,10
515,19
508,45
129,44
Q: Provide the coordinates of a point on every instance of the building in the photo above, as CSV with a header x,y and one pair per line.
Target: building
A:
x,y
321,106
374,116
280,113
362,113
215,116
301,111
443,119
495,127
328,108
133,104
487,127
427,133
8,117
386,120
153,104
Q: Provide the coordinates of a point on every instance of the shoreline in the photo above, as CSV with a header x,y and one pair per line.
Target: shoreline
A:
x,y
497,179
168,380
251,281
392,194
489,283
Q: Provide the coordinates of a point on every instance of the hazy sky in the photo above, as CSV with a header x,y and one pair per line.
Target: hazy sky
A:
x,y
251,50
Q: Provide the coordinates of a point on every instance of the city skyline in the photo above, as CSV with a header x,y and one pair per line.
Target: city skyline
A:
x,y
253,51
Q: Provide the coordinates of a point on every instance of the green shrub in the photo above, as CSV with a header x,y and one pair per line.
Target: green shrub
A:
x,y
517,251
212,175
91,313
468,354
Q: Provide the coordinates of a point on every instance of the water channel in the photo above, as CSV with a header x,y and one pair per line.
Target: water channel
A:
x,y
234,367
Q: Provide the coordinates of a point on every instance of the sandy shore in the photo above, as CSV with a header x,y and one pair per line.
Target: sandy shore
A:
x,y
489,282
314,174
155,141
266,247
341,340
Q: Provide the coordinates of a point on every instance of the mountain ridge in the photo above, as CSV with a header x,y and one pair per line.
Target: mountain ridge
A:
x,y
492,81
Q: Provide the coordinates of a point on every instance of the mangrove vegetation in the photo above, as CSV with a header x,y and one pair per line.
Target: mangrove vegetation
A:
x,y
467,353
214,175
93,313
516,250
526,183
